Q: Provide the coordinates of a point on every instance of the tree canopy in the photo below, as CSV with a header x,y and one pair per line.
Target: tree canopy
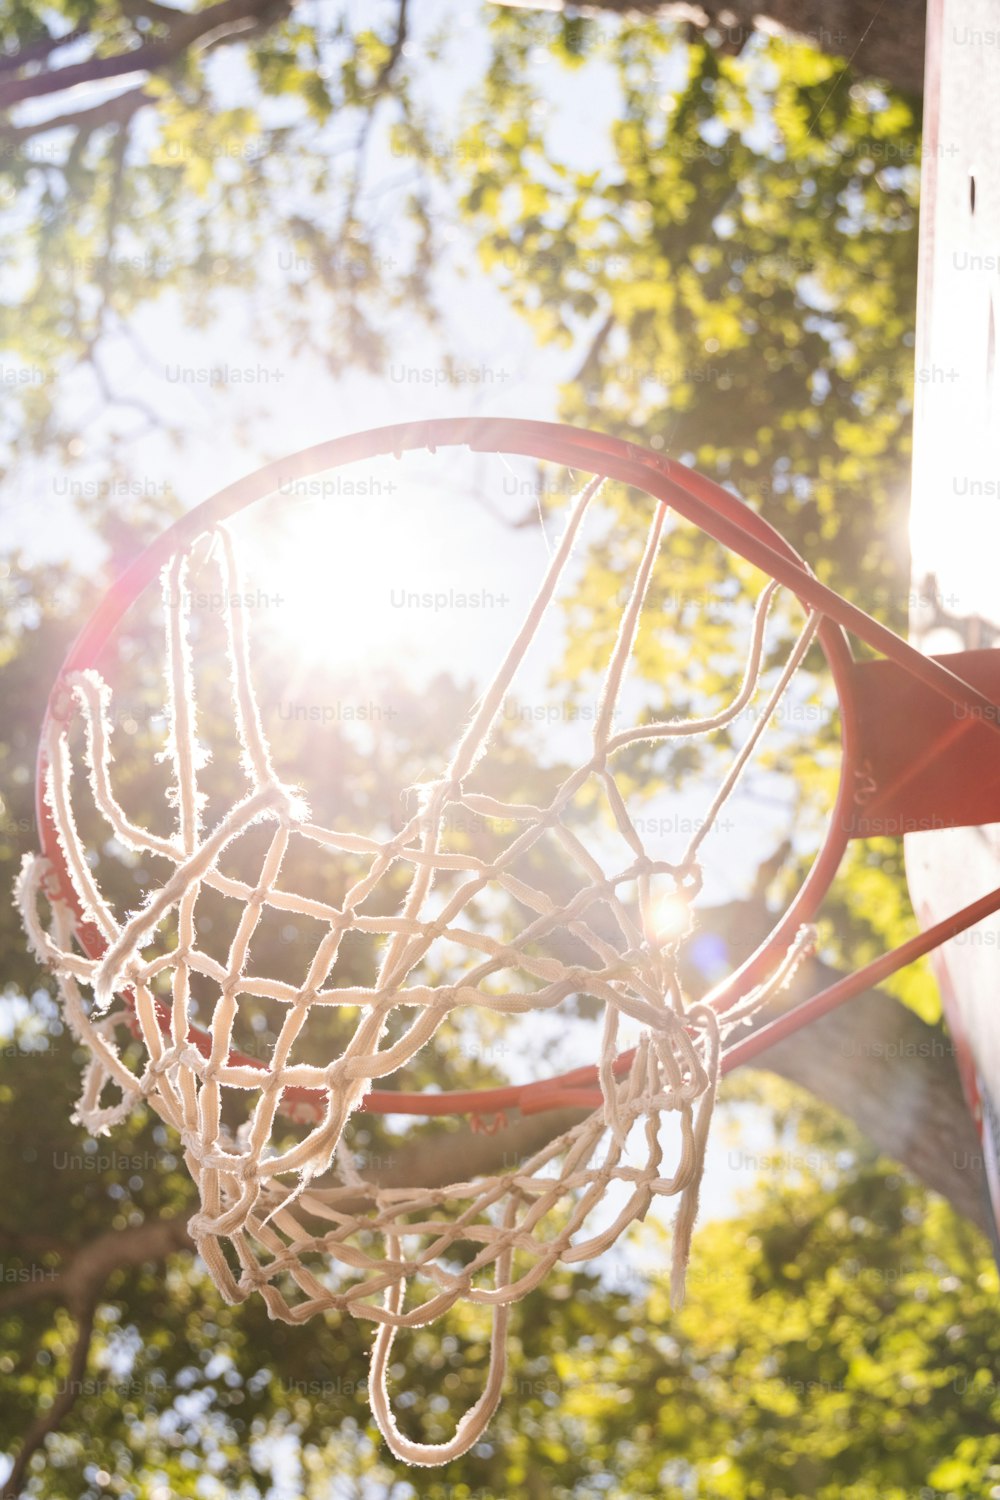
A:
x,y
731,280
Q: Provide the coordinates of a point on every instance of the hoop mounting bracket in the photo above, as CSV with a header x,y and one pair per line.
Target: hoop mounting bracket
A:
x,y
924,762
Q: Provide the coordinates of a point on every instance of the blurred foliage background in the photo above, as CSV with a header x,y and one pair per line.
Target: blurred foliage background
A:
x,y
731,280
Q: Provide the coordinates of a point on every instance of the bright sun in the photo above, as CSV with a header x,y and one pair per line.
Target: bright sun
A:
x,y
377,565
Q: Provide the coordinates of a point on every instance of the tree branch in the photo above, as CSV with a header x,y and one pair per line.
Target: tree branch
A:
x,y
79,1285
40,51
895,1077
880,39
873,1060
88,1267
61,1406
589,363
13,1240
226,17
149,10
116,111
395,52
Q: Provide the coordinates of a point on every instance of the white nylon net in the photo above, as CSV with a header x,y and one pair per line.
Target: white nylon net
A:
x,y
296,1221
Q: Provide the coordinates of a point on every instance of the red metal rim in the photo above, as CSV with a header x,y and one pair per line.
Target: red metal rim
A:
x,y
700,500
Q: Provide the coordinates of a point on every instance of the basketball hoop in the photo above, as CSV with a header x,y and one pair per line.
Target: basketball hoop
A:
x,y
402,1256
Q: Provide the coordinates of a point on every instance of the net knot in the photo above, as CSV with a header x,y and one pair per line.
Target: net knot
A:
x,y
689,878
169,1058
447,788
288,806
432,798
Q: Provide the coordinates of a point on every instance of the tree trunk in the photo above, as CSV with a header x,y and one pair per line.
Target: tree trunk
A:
x,y
895,1077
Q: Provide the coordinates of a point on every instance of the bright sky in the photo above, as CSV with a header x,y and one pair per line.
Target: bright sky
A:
x,y
296,402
